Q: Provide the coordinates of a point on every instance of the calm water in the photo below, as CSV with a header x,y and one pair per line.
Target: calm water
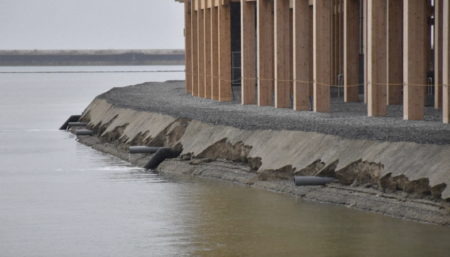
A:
x,y
61,198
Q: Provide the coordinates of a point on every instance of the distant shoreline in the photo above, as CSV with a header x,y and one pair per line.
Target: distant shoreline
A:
x,y
91,57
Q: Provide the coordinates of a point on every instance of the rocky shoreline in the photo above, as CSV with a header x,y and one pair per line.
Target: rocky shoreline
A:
x,y
402,179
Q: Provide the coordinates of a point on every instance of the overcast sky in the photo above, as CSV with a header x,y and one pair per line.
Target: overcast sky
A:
x,y
91,24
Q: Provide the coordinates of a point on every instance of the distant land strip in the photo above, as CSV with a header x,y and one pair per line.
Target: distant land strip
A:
x,y
91,57
2,72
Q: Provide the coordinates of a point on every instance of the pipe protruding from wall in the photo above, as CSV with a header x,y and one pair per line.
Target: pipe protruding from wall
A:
x,y
84,132
143,149
160,156
73,118
312,180
76,124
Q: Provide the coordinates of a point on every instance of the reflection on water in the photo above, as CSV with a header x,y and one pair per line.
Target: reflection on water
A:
x,y
61,198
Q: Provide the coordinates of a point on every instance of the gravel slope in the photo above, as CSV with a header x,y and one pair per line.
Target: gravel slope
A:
x,y
348,120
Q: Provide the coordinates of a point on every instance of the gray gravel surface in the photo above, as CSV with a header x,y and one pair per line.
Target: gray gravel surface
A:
x,y
348,120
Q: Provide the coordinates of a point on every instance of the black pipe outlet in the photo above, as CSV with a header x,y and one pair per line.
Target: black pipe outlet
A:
x,y
160,156
73,118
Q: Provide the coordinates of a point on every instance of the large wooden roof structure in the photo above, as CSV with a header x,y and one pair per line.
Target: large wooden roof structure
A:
x,y
301,48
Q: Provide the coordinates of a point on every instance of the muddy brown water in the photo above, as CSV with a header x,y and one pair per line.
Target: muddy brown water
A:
x,y
61,198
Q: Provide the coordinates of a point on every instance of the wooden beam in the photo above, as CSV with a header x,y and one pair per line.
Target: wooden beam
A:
x,y
333,48
265,41
395,52
446,63
291,49
321,53
438,41
188,43
341,37
351,50
201,52
427,50
194,47
215,52
208,54
282,54
414,62
336,45
248,52
301,55
366,49
377,43
311,49
224,52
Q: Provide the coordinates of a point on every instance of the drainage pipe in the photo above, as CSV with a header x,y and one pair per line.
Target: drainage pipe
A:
x,y
312,180
143,149
73,118
84,132
160,156
77,124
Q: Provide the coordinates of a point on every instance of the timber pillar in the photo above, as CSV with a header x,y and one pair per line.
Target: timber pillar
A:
x,y
351,50
188,42
446,62
224,10
265,31
194,48
282,46
321,52
301,52
248,52
395,52
377,58
415,58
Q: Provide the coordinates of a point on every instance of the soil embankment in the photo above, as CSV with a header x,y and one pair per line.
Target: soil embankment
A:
x,y
385,165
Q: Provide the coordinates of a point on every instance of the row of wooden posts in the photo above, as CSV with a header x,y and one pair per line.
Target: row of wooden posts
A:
x,y
298,47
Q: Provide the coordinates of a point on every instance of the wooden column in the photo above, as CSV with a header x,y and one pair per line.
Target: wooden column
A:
x,y
336,44
311,51
351,50
341,37
208,54
427,50
224,50
188,43
301,55
446,63
291,49
366,52
377,38
248,52
201,50
333,41
282,53
194,47
215,52
321,51
438,40
395,52
265,41
415,67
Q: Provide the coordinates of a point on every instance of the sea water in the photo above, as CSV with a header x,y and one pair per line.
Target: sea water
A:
x,y
61,198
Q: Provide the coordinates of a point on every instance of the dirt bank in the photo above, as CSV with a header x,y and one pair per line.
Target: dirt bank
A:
x,y
404,179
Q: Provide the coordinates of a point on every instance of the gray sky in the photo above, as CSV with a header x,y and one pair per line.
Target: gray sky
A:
x,y
91,24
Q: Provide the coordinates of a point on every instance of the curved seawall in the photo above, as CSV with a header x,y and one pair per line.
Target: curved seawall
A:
x,y
398,178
